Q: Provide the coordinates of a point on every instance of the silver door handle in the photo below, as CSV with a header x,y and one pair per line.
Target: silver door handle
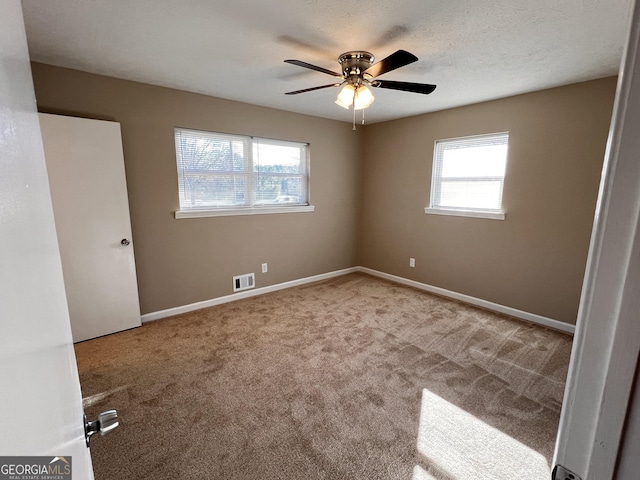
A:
x,y
106,423
125,242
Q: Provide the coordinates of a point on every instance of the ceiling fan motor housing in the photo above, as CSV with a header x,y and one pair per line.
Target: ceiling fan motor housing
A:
x,y
355,63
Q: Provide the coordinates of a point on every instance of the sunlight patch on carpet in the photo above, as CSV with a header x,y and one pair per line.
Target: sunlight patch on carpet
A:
x,y
465,447
88,401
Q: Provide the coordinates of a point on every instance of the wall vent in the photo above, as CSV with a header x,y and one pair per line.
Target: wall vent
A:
x,y
244,282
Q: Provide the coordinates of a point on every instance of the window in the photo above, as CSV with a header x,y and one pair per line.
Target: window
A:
x,y
468,176
221,174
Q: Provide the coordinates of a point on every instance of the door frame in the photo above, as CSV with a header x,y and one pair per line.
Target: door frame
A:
x,y
607,339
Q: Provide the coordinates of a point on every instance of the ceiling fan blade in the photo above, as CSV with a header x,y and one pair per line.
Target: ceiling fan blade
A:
x,y
313,88
313,67
393,61
423,88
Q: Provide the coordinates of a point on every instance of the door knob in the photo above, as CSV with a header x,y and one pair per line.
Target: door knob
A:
x,y
106,423
125,242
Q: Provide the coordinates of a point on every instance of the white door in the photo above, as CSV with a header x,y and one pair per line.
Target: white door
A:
x,y
40,396
89,193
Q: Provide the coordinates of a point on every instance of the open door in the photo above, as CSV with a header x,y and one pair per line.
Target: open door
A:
x,y
40,395
607,340
85,165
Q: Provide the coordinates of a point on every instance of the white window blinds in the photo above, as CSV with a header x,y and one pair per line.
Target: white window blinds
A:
x,y
468,173
222,171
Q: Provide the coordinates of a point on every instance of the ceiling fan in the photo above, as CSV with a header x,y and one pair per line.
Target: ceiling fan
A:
x,y
359,72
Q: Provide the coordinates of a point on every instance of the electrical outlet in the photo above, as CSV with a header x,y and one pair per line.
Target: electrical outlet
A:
x,y
412,262
265,268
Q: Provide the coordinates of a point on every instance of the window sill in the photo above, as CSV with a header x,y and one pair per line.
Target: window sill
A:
x,y
230,212
465,213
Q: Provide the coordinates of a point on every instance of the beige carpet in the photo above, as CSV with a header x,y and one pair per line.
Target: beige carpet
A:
x,y
350,378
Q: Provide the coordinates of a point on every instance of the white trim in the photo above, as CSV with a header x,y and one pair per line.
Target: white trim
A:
x,y
242,211
464,213
478,302
148,317
469,137
529,317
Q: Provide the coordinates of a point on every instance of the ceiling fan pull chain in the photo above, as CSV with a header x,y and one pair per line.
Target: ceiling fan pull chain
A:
x,y
363,116
353,104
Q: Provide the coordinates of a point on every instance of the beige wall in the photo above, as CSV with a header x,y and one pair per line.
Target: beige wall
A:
x,y
369,188
189,260
535,259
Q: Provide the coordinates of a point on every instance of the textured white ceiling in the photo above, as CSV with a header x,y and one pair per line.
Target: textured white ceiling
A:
x,y
473,51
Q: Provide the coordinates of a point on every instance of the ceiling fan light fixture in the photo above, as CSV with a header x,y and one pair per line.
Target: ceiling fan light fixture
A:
x,y
346,96
359,96
364,98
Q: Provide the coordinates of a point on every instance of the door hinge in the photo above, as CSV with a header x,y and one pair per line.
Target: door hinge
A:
x,y
562,473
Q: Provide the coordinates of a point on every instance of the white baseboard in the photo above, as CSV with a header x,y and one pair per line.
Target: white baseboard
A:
x,y
148,317
529,317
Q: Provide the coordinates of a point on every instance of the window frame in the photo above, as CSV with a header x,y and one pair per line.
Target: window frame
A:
x,y
436,180
253,207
